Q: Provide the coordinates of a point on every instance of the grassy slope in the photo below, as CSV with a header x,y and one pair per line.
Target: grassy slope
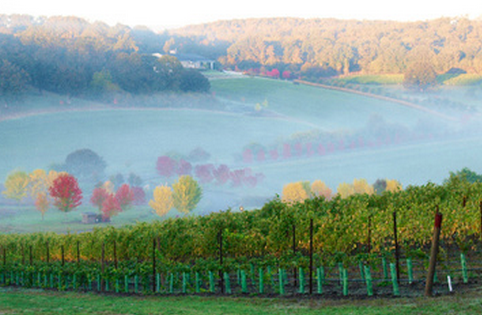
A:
x,y
39,302
326,109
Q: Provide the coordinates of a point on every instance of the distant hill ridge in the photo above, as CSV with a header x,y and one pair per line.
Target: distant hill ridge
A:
x,y
341,46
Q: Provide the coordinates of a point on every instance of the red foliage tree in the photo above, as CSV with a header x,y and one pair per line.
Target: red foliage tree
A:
x,y
204,172
166,166
124,196
98,197
110,207
221,174
139,196
273,73
184,168
66,193
286,75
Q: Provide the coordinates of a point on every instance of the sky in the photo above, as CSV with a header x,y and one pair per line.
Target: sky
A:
x,y
160,15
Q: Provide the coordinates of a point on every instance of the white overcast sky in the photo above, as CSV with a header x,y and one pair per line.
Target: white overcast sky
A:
x,y
175,13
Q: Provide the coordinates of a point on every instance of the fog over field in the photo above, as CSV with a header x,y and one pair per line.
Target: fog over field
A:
x,y
280,131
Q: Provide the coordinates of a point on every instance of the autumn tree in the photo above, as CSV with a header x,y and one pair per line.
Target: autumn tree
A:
x,y
16,185
162,200
319,188
42,203
186,194
204,172
362,187
184,168
38,183
66,193
294,192
110,207
125,196
166,166
393,185
345,189
99,195
221,174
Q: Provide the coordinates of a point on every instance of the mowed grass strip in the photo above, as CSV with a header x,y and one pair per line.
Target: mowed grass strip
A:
x,y
16,301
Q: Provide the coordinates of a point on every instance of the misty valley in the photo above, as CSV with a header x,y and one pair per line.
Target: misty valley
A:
x,y
240,158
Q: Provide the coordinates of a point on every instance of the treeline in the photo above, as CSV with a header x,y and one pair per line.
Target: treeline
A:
x,y
70,56
327,47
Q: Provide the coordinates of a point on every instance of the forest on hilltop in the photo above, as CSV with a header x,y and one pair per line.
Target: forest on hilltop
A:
x,y
70,56
327,47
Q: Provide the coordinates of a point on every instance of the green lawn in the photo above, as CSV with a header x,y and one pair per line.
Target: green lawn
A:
x,y
14,301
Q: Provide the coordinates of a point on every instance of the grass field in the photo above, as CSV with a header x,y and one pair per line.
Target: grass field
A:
x,y
13,301
326,109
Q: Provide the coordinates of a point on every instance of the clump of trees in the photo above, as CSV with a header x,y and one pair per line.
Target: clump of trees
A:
x,y
34,186
169,167
184,195
298,192
110,203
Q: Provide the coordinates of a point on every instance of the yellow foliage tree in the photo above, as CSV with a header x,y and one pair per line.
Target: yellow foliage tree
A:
x,y
345,190
162,200
362,187
38,183
294,192
393,185
319,188
186,194
16,185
